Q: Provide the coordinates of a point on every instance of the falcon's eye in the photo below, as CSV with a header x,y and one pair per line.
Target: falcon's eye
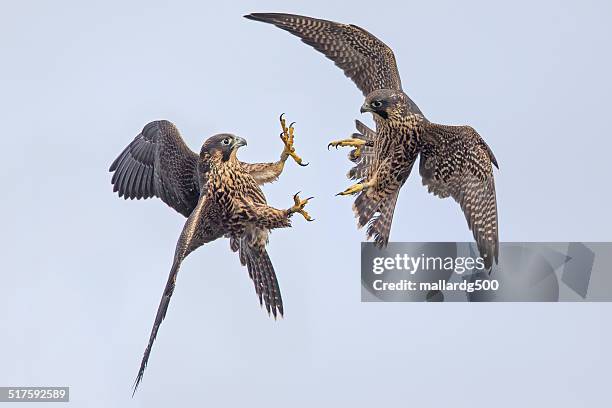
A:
x,y
376,104
226,141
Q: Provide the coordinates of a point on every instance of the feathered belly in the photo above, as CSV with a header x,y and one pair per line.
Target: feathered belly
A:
x,y
399,148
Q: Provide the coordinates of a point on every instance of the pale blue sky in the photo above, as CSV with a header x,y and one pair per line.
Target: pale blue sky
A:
x,y
83,271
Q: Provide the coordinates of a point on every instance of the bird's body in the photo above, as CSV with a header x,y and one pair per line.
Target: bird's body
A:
x,y
395,149
454,160
220,196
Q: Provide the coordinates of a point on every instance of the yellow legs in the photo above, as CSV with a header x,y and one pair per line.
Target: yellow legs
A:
x,y
356,188
298,206
287,138
352,142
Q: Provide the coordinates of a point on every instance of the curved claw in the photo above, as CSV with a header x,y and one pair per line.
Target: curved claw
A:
x,y
352,142
287,137
306,216
281,116
354,189
299,206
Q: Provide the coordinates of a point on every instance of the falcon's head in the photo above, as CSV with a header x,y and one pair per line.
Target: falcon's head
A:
x,y
385,103
222,146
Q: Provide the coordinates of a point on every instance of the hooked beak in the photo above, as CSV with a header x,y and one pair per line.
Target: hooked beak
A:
x,y
365,108
240,142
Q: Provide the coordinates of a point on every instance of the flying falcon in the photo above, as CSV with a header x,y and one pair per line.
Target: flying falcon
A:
x,y
219,194
454,160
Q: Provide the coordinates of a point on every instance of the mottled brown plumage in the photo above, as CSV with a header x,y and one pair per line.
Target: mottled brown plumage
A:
x,y
455,161
219,194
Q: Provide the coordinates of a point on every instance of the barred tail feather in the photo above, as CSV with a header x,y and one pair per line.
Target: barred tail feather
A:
x,y
365,207
264,279
272,289
379,227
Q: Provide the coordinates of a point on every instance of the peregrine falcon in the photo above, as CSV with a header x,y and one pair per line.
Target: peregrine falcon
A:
x,y
454,160
219,194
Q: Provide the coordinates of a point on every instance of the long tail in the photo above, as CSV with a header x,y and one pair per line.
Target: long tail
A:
x,y
264,279
364,208
377,215
261,272
379,227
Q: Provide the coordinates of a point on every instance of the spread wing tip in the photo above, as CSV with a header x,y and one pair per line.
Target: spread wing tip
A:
x,y
264,17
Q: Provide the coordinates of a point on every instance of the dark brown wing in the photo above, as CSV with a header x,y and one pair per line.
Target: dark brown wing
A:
x,y
364,160
202,226
158,163
363,58
456,162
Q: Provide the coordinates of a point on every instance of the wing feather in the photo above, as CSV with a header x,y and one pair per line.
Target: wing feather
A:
x,y
364,160
158,163
365,59
456,162
202,226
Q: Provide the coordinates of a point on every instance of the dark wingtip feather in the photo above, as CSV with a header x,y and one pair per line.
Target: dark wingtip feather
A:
x,y
264,17
492,156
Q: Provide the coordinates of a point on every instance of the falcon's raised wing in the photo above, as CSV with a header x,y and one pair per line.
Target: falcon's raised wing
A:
x,y
456,162
365,59
158,163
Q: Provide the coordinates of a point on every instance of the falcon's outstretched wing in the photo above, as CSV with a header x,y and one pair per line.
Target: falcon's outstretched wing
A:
x,y
264,173
158,163
456,162
363,58
202,226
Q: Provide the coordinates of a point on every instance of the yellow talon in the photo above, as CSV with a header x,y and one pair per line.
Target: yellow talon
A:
x,y
352,142
299,205
354,189
287,138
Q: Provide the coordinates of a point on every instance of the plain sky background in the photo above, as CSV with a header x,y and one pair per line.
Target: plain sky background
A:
x,y
83,271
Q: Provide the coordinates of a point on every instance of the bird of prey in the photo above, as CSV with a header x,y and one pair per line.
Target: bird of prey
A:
x,y
219,195
454,160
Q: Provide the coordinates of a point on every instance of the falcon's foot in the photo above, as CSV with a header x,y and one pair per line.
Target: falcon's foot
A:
x,y
354,189
352,142
298,207
287,138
